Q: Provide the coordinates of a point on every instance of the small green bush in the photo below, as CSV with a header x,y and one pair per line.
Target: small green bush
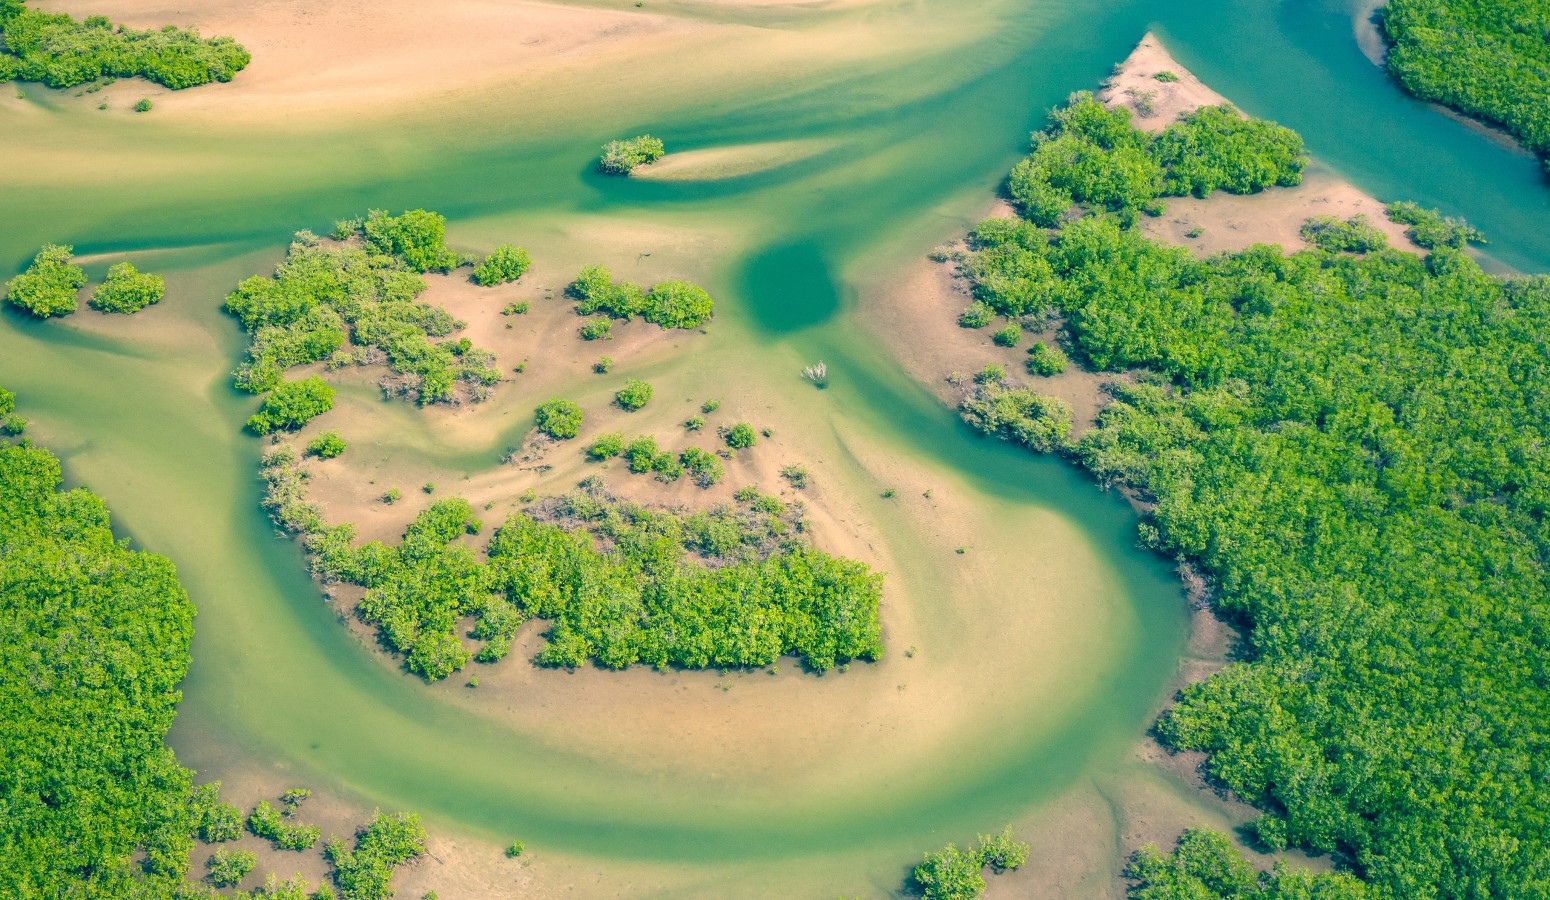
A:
x,y
597,330
560,419
1166,76
13,424
622,157
606,446
1010,336
227,867
977,315
365,872
292,404
127,290
505,264
516,309
702,466
739,436
604,365
327,445
634,395
515,850
1429,228
694,423
48,286
642,454
1353,235
280,830
1045,360
710,406
144,105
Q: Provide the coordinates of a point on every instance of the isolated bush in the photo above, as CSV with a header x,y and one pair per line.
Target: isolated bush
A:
x,y
559,419
505,263
622,157
327,445
127,290
739,436
634,395
48,286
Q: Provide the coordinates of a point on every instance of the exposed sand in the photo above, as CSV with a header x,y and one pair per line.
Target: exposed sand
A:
x,y
1134,80
716,163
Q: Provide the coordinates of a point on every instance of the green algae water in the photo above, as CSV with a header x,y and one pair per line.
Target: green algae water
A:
x,y
1090,627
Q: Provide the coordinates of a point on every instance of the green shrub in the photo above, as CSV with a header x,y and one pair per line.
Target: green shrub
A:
x,y
560,419
604,365
1353,235
292,404
227,867
606,446
642,454
694,423
278,829
520,308
1430,228
977,315
739,436
144,105
61,52
950,874
701,466
622,157
48,286
127,290
953,874
1045,360
678,304
796,475
504,264
515,849
597,330
1214,148
1010,336
418,237
365,872
710,406
634,395
669,304
12,424
1040,423
216,822
327,445
1166,76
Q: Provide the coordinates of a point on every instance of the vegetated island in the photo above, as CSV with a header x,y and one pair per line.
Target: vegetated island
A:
x,y
619,583
93,643
624,157
1489,59
1348,443
61,52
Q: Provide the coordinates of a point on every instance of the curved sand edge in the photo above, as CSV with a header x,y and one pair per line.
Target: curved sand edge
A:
x,y
719,163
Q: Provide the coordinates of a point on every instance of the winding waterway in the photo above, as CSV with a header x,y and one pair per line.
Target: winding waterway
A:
x,y
1034,670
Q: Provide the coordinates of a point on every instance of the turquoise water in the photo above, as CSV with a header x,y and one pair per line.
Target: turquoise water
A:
x,y
913,148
